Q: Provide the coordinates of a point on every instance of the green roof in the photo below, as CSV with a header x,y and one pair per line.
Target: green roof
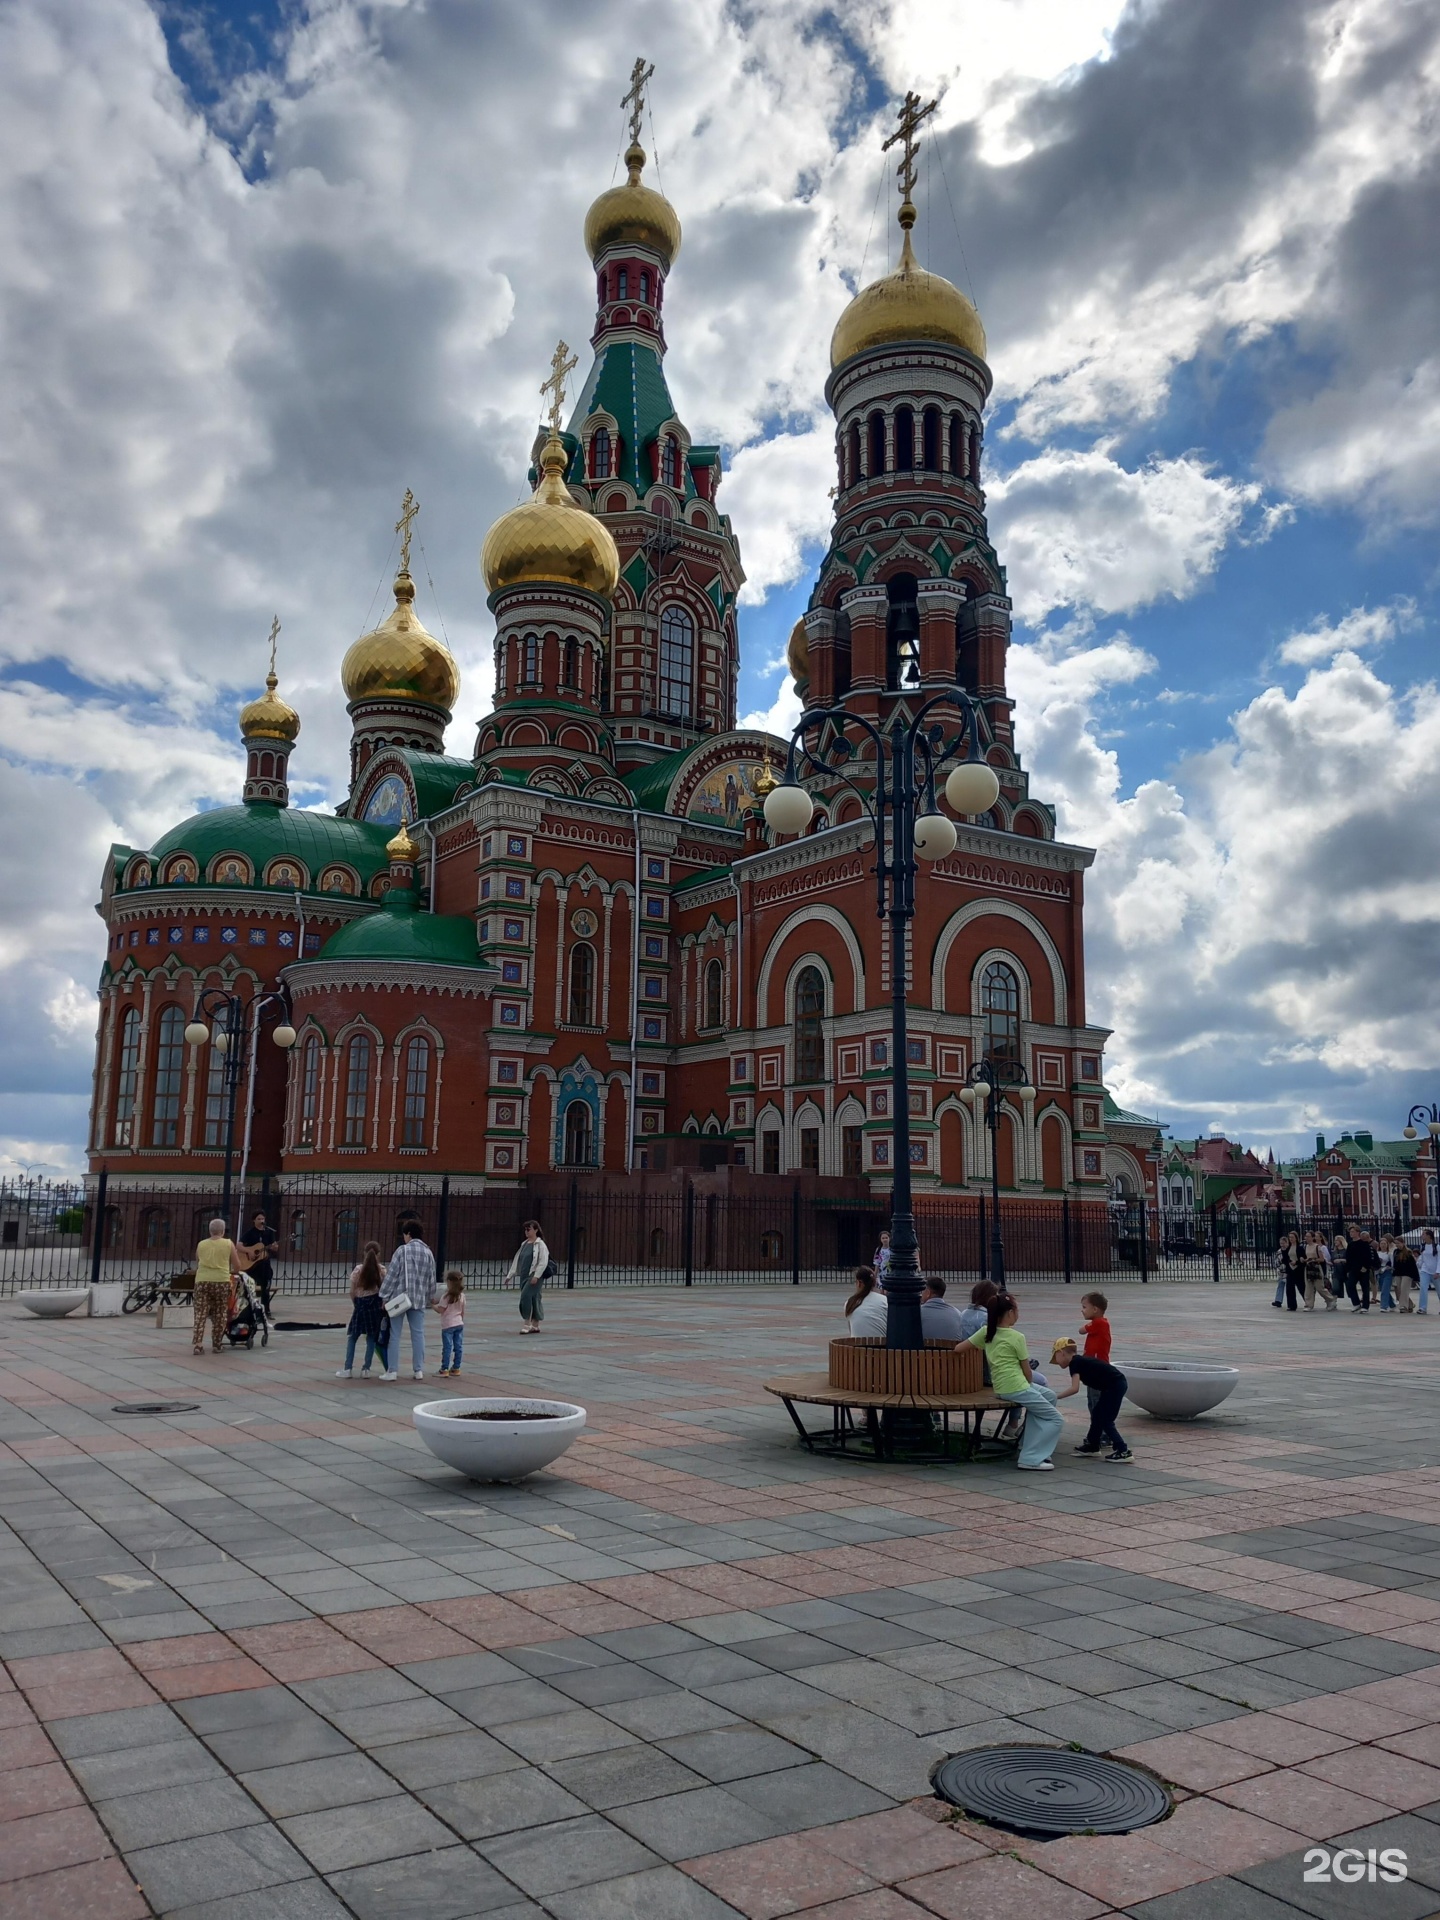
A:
x,y
436,777
1383,1156
651,785
265,832
627,381
400,932
703,879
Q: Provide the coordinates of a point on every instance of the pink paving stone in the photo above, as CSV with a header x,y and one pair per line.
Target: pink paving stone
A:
x,y
1392,1777
185,1650
91,1696
1424,1634
1223,1839
1358,1719
424,1638
26,1790
99,1890
776,1877
15,1710
1270,1737
1002,1889
25,1746
1190,1760
1116,1870
215,1676
886,1903
1420,1743
64,1669
1403,1692
41,1842
1300,1801
900,1844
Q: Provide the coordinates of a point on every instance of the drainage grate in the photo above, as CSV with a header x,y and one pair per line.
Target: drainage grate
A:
x,y
158,1406
1038,1791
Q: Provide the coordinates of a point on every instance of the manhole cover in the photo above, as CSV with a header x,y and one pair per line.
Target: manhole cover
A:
x,y
1037,1790
158,1406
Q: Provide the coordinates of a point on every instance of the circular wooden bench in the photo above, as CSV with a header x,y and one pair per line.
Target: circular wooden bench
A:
x,y
878,1439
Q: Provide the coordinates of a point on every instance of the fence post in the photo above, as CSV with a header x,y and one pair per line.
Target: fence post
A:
x,y
795,1235
689,1234
984,1242
442,1228
1144,1245
570,1237
97,1237
1065,1234
1214,1246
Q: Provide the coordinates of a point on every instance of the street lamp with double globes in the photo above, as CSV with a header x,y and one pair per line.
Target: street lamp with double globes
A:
x,y
894,782
1429,1118
987,1083
232,1027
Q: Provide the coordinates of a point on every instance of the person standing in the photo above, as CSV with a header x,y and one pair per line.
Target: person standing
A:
x,y
1360,1263
215,1262
1316,1274
367,1316
883,1256
528,1270
1429,1265
406,1294
452,1324
258,1239
1386,1258
1406,1276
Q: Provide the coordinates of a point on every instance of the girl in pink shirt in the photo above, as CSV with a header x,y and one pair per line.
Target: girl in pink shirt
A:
x,y
452,1324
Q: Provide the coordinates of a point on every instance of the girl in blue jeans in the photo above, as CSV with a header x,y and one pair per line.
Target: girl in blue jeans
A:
x,y
452,1324
1011,1375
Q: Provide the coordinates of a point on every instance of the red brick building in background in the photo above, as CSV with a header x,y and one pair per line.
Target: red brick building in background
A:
x,y
580,947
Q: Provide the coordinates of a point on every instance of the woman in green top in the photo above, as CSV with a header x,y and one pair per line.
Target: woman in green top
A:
x,y
1003,1346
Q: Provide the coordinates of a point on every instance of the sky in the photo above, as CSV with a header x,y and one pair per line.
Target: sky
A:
x,y
266,263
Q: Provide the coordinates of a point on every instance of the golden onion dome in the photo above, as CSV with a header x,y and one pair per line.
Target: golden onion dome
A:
x,y
269,717
548,539
399,660
797,654
909,304
402,849
633,216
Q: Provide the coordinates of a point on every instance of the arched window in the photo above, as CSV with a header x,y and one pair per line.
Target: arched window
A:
x,y
670,462
169,1072
127,1078
215,1102
875,451
841,653
622,284
579,1135
347,1231
714,994
975,454
902,633
644,288
677,661
310,1091
417,1091
1000,1007
810,1025
582,984
852,464
357,1089
530,671
930,447
600,288
570,662
957,456
600,454
904,440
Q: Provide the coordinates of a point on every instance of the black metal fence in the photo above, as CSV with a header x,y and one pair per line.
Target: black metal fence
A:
x,y
684,1232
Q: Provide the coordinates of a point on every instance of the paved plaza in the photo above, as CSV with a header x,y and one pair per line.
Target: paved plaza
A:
x,y
271,1661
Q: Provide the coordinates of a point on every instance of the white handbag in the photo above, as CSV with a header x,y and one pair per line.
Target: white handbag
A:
x,y
397,1304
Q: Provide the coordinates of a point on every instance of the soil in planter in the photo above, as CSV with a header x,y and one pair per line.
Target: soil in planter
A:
x,y
501,1414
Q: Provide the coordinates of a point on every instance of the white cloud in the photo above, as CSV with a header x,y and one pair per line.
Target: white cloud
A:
x,y
1077,529
778,496
1362,627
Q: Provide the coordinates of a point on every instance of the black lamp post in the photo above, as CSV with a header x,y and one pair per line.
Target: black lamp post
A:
x,y
1429,1118
896,788
233,1030
987,1083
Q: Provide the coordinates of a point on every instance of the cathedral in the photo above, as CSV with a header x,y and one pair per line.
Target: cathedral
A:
x,y
580,946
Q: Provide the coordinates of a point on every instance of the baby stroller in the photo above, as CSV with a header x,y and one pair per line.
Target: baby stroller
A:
x,y
248,1318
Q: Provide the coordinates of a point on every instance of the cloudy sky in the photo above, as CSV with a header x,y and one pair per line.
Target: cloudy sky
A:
x,y
265,263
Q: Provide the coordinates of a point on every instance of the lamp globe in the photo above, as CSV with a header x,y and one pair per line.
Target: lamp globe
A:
x,y
788,808
972,787
935,836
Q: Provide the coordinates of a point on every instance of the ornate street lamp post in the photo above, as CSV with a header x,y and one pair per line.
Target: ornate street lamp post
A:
x,y
895,784
1429,1118
234,1033
987,1083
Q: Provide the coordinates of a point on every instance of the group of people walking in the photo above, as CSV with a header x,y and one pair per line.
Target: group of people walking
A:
x,y
1354,1265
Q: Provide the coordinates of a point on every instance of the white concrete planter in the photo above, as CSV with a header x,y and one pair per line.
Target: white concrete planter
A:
x,y
498,1449
52,1303
1178,1389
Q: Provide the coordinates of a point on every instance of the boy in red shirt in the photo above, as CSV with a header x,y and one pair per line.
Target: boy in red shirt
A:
x,y
1096,1329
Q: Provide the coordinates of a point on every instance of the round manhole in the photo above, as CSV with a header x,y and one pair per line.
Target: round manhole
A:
x,y
158,1406
1039,1791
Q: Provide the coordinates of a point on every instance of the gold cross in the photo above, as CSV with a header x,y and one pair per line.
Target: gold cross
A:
x,y
635,99
274,636
911,115
560,365
409,507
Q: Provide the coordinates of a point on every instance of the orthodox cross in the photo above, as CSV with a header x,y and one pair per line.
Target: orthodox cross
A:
x,y
911,115
560,366
274,636
635,99
409,507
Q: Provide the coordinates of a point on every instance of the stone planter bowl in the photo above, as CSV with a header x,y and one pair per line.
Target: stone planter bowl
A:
x,y
52,1303
497,1449
1178,1389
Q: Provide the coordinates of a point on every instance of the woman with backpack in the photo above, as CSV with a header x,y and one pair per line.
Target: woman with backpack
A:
x,y
528,1270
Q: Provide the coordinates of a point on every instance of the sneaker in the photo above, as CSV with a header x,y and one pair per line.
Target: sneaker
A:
x,y
443,1373
389,1376
343,1373
1126,1454
418,1376
1087,1449
1036,1466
